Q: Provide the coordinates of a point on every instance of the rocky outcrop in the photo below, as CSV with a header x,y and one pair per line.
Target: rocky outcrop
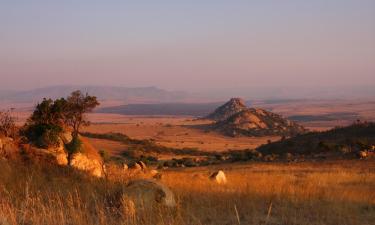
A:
x,y
58,153
88,159
258,122
53,154
234,118
233,106
83,162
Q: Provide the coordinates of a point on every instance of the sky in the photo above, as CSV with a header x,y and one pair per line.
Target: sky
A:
x,y
187,45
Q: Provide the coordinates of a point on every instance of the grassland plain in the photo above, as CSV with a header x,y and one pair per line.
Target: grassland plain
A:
x,y
337,192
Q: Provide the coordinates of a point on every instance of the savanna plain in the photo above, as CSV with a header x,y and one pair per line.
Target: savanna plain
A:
x,y
316,192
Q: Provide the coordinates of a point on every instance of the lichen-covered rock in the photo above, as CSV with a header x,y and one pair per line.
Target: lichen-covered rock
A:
x,y
149,193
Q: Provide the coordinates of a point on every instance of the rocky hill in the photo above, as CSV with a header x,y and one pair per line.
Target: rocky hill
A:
x,y
234,118
232,107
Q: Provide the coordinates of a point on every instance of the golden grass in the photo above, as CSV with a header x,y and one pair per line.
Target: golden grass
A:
x,y
308,193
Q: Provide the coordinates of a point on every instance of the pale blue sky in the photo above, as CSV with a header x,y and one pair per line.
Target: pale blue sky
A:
x,y
187,44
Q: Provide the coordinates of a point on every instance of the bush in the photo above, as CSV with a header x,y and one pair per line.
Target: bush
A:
x,y
43,135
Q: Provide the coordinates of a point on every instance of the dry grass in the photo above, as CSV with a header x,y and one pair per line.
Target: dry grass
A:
x,y
309,193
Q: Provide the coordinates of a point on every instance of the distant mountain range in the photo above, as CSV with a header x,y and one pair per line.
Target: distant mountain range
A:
x,y
167,109
120,94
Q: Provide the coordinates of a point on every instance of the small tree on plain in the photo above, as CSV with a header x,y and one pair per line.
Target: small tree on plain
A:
x,y
78,105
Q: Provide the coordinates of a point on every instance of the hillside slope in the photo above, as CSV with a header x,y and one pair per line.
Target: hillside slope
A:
x,y
346,140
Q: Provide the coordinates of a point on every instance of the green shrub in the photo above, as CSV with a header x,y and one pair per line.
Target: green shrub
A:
x,y
43,135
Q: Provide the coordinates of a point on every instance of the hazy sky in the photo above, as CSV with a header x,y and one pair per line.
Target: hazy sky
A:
x,y
191,44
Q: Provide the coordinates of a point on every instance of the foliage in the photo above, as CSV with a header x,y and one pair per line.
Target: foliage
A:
x,y
78,104
46,123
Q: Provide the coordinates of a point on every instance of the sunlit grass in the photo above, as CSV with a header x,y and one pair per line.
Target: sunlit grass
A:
x,y
319,193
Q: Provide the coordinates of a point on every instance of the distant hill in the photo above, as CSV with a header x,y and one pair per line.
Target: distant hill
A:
x,y
345,140
234,118
185,109
232,107
122,94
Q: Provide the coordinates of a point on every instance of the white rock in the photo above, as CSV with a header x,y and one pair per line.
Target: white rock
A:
x,y
219,177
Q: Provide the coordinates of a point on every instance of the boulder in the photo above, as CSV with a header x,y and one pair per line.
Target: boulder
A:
x,y
153,172
136,167
53,154
66,137
83,162
88,159
149,193
219,177
362,154
58,153
125,167
142,165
